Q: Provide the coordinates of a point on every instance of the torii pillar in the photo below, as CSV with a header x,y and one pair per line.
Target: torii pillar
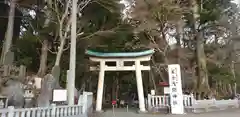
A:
x,y
120,59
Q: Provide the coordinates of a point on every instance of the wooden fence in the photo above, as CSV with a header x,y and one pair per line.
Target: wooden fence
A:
x,y
164,100
189,101
81,110
53,111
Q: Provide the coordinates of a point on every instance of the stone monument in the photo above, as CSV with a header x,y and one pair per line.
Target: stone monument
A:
x,y
45,97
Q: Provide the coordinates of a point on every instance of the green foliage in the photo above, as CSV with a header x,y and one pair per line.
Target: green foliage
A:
x,y
114,42
103,22
209,11
220,74
26,51
100,16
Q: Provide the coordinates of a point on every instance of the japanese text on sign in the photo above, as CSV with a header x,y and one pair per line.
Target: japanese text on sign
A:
x,y
176,96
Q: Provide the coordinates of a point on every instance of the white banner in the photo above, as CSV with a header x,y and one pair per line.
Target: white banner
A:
x,y
175,85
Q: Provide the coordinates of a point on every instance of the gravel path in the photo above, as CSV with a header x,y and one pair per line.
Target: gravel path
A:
x,y
123,113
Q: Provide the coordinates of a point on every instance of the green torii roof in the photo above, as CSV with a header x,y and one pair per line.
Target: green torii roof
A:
x,y
119,54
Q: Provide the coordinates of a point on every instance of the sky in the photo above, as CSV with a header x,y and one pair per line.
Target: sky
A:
x,y
236,1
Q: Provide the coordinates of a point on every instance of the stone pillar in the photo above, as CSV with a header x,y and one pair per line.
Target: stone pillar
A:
x,y
100,86
140,86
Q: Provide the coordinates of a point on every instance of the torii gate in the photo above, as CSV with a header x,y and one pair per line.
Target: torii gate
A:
x,y
120,59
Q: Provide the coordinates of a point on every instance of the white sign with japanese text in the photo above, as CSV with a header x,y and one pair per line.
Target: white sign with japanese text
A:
x,y
175,85
59,95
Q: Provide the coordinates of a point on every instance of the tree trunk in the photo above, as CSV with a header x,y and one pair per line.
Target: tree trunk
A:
x,y
114,88
43,59
202,68
225,90
234,88
151,75
113,94
180,25
158,70
62,40
202,82
230,90
234,30
60,52
9,33
117,88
